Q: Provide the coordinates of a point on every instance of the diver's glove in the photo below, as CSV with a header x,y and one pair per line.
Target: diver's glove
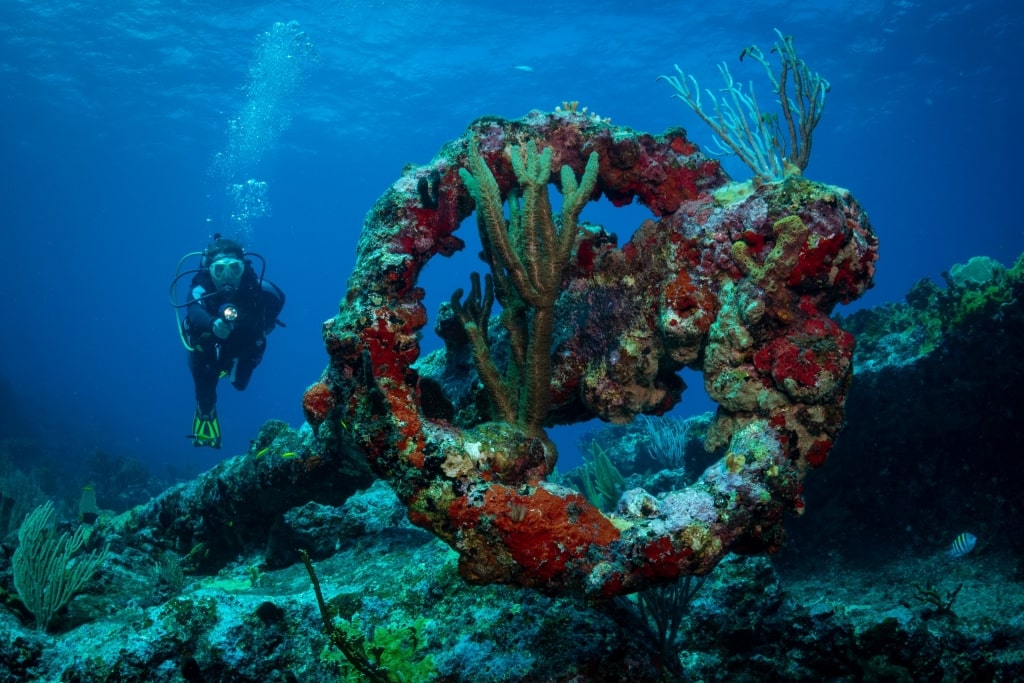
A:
x,y
221,329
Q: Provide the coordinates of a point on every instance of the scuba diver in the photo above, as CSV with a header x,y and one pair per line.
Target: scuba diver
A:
x,y
230,311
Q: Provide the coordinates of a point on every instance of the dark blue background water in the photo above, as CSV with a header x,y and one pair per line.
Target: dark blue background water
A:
x,y
111,122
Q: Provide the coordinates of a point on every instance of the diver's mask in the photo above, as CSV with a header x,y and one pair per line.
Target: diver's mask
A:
x,y
227,273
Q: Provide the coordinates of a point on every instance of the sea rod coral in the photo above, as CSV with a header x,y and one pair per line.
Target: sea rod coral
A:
x,y
737,285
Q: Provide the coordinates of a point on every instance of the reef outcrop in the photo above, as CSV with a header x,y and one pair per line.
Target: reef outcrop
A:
x,y
238,506
736,281
933,423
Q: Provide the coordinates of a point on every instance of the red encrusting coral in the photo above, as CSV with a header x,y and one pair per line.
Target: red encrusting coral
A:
x,y
317,403
661,556
818,452
542,530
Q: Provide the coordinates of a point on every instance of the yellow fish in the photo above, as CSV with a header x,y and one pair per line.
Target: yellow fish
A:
x,y
290,454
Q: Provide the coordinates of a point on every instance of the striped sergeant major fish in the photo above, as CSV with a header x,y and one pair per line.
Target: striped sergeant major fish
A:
x,y
962,544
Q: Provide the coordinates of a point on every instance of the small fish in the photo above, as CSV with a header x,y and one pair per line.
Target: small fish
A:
x,y
290,454
262,452
523,67
962,544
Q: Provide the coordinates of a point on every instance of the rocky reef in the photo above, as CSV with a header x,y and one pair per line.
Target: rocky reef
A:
x,y
938,375
398,591
204,582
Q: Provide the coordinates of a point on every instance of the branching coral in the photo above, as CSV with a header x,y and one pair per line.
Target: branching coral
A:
x,y
528,258
743,129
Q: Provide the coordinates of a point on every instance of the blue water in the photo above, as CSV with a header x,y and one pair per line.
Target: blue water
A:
x,y
123,133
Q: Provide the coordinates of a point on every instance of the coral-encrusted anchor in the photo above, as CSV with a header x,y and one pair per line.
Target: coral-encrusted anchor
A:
x,y
738,287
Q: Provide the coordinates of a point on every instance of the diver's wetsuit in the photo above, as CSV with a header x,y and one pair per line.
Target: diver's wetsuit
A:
x,y
237,356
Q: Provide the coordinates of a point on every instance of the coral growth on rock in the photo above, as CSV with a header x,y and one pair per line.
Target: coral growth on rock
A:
x,y
933,422
317,403
738,285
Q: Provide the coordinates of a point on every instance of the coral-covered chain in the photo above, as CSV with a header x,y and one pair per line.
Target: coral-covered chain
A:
x,y
734,281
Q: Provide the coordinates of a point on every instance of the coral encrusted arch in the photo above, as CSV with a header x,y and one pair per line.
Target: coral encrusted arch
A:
x,y
736,281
